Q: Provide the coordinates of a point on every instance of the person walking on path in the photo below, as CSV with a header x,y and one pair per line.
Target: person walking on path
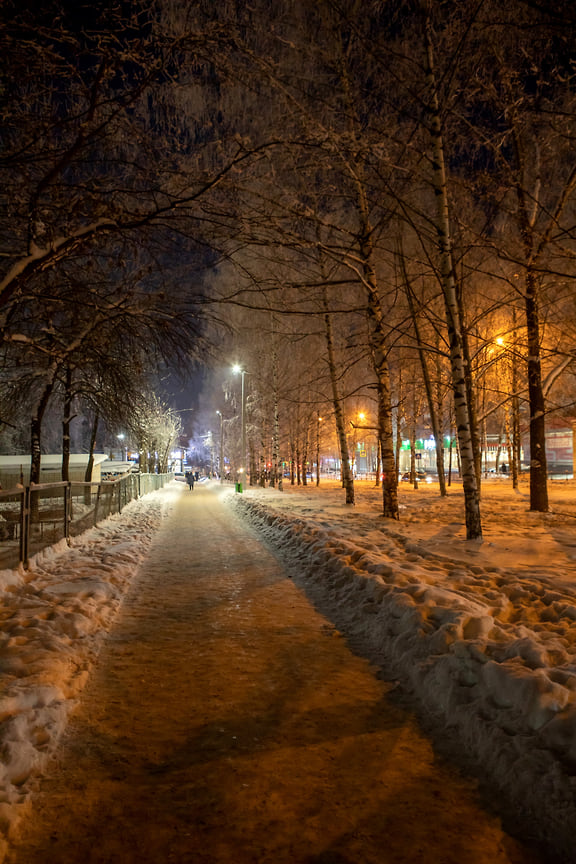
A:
x,y
190,479
227,722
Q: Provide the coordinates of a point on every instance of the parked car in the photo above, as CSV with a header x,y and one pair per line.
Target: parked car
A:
x,y
421,476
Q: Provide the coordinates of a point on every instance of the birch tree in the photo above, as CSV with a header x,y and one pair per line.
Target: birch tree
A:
x,y
520,116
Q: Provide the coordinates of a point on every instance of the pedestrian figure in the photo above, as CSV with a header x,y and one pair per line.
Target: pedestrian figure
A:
x,y
190,479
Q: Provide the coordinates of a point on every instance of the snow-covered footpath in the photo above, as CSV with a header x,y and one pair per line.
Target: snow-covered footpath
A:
x,y
483,633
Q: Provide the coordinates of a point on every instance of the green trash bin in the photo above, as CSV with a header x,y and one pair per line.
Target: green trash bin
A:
x,y
238,487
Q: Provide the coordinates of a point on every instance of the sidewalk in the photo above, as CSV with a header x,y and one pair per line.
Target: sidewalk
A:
x,y
226,721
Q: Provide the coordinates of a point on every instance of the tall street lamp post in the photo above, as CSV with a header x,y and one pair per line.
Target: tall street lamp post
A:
x,y
221,446
362,425
242,468
123,448
319,419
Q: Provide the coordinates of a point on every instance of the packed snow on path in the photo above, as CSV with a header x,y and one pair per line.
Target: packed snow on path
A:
x,y
483,633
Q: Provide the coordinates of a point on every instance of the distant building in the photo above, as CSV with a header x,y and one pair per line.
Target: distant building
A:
x,y
16,469
560,446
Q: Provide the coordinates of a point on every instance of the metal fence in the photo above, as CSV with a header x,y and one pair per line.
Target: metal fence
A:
x,y
34,517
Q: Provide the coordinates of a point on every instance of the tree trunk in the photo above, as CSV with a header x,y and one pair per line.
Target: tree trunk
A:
x,y
66,421
90,463
305,446
385,429
164,459
516,443
263,455
413,477
399,420
36,433
276,478
347,478
379,357
377,330
537,432
440,448
91,446
436,430
318,421
475,431
253,462
534,244
448,285
538,463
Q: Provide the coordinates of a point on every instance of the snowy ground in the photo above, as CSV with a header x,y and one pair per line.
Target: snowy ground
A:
x,y
483,633
54,618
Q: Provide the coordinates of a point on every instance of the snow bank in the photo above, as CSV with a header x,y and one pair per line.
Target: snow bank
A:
x,y
54,618
490,653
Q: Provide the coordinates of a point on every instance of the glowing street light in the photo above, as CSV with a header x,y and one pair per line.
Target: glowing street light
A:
x,y
221,446
242,468
320,419
123,449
